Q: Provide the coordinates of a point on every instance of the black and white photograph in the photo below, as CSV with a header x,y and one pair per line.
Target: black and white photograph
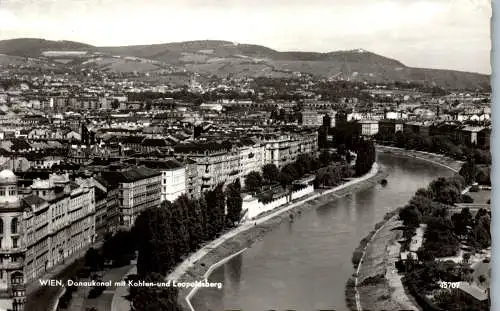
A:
x,y
216,155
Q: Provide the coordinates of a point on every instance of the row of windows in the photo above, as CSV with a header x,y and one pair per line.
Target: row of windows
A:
x,y
15,242
10,190
14,226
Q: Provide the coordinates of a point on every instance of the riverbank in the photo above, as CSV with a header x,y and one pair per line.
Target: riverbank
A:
x,y
197,265
376,285
434,158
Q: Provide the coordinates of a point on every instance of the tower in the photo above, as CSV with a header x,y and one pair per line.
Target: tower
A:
x,y
12,247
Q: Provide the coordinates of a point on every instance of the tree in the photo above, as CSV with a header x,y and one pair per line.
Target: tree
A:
x,y
120,248
115,104
410,216
93,259
325,157
154,298
468,171
365,157
253,181
234,202
466,257
270,173
423,255
482,279
157,248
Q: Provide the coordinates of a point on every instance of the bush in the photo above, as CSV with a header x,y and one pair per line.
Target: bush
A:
x,y
467,199
356,258
96,291
65,299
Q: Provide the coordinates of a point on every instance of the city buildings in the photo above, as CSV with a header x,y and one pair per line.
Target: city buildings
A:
x,y
59,221
173,178
12,245
139,188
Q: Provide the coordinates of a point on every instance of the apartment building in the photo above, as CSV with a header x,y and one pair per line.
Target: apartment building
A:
x,y
312,118
216,163
173,178
368,127
58,221
420,128
252,157
387,128
474,136
285,149
12,246
192,180
139,189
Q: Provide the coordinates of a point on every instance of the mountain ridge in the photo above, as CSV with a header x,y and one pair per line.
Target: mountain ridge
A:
x,y
223,58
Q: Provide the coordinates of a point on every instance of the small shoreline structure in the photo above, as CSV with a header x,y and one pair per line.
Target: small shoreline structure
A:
x,y
375,282
195,266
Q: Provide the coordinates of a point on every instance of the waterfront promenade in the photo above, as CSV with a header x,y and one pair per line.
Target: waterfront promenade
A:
x,y
386,240
120,303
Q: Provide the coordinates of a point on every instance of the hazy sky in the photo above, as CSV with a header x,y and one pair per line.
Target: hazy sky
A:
x,y
448,34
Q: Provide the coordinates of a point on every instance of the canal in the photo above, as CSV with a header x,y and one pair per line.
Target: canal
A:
x,y
305,265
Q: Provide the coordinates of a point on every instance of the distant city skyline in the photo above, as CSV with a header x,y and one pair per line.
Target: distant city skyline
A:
x,y
441,34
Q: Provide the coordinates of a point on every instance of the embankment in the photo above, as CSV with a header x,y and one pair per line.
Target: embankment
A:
x,y
434,158
376,285
197,270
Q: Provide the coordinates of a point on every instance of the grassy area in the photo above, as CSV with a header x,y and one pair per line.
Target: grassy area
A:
x,y
482,268
480,197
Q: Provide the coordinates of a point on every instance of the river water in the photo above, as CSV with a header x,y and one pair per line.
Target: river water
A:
x,y
305,265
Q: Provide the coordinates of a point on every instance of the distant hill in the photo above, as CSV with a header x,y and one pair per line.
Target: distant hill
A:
x,y
223,58
28,47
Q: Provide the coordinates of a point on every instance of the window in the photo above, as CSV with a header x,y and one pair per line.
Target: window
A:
x,y
1,226
17,278
14,226
14,242
2,191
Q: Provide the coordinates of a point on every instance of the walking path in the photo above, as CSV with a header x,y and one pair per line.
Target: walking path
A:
x,y
81,302
53,272
121,304
46,298
395,282
411,154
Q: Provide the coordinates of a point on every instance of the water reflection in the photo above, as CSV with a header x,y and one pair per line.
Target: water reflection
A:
x,y
233,273
304,265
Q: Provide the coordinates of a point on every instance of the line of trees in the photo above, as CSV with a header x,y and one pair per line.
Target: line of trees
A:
x,y
327,174
365,157
440,144
169,233
443,236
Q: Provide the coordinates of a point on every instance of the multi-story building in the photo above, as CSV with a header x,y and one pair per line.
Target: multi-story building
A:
x,y
192,180
419,128
107,217
139,189
216,163
368,127
285,149
58,221
12,246
251,158
312,118
173,178
474,136
388,128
